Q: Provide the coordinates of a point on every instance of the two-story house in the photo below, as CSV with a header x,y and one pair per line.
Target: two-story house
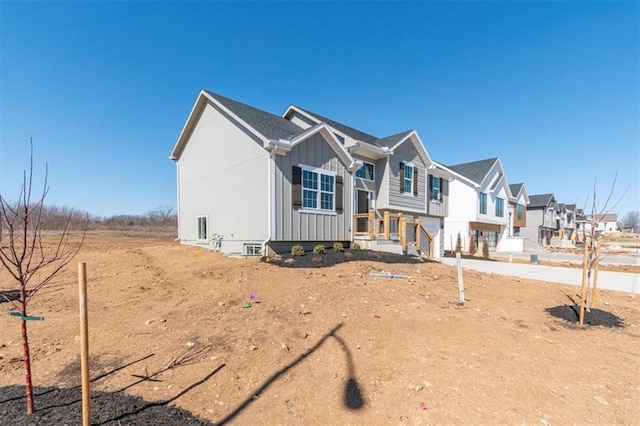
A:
x,y
517,208
479,206
565,221
252,182
542,218
397,180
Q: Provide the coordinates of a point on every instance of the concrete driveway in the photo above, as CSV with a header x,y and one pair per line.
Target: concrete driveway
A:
x,y
617,281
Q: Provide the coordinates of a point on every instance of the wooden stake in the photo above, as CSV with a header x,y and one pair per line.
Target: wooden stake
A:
x,y
584,283
460,282
594,291
84,344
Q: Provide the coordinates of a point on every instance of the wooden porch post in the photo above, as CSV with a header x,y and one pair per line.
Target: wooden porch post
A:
x,y
402,231
416,232
372,225
386,225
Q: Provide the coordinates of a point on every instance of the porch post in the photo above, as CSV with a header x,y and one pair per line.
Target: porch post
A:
x,y
386,225
372,225
402,231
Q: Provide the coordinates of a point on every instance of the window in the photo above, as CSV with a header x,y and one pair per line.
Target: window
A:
x,y
317,195
520,212
499,207
407,178
252,249
202,228
483,202
366,171
436,183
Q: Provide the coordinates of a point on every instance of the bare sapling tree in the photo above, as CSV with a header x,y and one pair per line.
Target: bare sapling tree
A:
x,y
29,260
591,236
630,222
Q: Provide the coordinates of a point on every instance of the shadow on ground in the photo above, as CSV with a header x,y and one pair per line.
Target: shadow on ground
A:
x,y
596,317
63,406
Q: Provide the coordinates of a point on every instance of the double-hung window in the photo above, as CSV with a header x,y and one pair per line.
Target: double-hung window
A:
x,y
366,171
499,207
483,202
318,190
435,188
407,182
520,212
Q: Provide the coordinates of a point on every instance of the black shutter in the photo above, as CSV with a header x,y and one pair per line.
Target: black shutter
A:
x,y
296,186
430,190
415,180
401,177
339,193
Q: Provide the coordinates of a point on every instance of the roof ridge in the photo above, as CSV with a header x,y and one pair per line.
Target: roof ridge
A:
x,y
266,123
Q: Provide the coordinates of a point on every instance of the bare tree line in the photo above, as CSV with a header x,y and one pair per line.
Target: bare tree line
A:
x,y
56,218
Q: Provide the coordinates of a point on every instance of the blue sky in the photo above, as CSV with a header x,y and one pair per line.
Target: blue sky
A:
x,y
104,88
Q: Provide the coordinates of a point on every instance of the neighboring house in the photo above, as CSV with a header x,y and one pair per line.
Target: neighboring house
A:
x,y
541,218
479,206
517,208
605,223
397,179
252,182
566,221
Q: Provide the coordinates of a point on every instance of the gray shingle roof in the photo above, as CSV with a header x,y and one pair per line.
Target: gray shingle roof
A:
x,y
392,140
539,200
515,188
475,170
269,125
571,207
349,131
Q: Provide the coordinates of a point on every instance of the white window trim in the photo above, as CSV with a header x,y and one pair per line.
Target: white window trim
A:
x,y
319,171
206,224
413,168
373,173
486,203
247,245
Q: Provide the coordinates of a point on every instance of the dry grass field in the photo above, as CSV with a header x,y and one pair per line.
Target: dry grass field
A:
x,y
175,332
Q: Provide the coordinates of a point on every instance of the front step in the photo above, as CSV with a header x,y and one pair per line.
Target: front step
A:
x,y
389,246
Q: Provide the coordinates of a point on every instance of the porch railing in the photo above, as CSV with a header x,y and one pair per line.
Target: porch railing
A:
x,y
363,224
393,226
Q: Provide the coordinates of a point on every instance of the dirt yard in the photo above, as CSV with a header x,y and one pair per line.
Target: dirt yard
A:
x,y
200,338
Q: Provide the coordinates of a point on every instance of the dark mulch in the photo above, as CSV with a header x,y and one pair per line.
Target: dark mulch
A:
x,y
596,317
331,257
63,406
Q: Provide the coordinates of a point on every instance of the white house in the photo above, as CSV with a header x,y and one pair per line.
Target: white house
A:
x,y
479,207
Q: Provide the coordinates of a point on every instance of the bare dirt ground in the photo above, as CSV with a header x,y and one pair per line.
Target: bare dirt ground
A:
x,y
175,327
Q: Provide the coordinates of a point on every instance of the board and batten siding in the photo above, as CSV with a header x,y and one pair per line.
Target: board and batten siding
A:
x,y
408,153
291,224
438,208
222,174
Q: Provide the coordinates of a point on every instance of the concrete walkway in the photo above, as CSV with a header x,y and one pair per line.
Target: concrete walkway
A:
x,y
617,281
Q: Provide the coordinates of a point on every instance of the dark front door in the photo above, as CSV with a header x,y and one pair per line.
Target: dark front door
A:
x,y
363,202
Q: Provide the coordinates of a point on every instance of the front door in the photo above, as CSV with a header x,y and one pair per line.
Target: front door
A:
x,y
364,201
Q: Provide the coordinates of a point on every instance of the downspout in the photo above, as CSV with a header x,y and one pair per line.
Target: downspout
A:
x,y
270,203
178,198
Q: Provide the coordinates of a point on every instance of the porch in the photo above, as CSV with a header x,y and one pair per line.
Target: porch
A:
x,y
382,230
